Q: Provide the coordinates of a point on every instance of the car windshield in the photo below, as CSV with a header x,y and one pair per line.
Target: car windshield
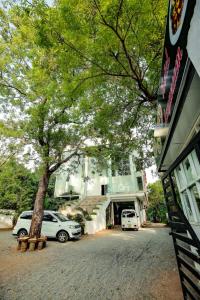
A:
x,y
61,217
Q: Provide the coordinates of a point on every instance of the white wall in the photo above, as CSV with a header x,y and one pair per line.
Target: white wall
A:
x,y
75,182
123,184
99,221
92,187
6,218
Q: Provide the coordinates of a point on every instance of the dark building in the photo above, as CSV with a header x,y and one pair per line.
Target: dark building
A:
x,y
177,137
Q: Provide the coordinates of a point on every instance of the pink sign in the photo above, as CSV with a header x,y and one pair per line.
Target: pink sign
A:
x,y
179,56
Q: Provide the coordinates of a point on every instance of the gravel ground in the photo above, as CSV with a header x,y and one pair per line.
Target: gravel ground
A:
x,y
110,265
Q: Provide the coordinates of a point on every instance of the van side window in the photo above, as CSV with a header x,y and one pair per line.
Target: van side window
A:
x,y
26,215
47,217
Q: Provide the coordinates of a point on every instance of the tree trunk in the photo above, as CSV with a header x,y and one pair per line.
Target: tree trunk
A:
x,y
36,223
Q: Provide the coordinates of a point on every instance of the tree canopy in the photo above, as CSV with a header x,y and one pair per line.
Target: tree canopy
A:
x,y
79,62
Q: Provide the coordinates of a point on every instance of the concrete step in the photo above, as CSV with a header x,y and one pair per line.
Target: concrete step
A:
x,y
91,202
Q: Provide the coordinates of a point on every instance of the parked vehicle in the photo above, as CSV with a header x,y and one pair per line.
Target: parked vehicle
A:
x,y
129,219
54,225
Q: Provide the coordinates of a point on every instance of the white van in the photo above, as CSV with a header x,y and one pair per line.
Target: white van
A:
x,y
129,219
54,225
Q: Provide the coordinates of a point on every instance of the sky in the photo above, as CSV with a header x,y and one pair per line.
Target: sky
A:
x,y
151,174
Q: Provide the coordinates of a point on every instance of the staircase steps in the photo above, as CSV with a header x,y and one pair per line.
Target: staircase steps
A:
x,y
90,203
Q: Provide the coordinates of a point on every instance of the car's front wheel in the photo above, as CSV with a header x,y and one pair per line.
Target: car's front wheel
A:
x,y
62,236
22,232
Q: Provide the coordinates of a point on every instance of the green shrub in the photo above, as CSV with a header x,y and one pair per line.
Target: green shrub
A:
x,y
79,218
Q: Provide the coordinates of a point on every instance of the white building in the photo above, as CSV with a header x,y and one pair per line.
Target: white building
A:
x,y
104,194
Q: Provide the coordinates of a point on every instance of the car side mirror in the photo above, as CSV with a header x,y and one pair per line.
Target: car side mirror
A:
x,y
54,220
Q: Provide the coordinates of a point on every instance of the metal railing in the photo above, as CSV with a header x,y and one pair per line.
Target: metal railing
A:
x,y
186,242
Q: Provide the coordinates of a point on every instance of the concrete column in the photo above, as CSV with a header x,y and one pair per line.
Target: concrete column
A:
x,y
86,171
112,213
137,209
110,189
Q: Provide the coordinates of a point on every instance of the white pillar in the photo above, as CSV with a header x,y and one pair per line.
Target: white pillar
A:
x,y
137,209
110,177
133,173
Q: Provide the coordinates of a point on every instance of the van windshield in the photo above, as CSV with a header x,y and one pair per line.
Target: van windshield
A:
x,y
128,214
61,217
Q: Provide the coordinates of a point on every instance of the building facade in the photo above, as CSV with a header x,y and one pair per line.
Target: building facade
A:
x,y
115,188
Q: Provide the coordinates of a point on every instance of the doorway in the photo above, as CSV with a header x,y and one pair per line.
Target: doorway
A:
x,y
104,189
118,207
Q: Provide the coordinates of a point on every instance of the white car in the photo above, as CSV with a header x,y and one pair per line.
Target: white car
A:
x,y
54,225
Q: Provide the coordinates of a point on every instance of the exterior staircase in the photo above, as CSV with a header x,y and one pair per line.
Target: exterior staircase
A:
x,y
95,206
69,207
92,203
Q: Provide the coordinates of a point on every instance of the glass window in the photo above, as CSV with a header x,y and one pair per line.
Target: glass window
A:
x,y
181,178
61,217
124,167
140,183
188,170
26,215
131,215
175,185
113,172
48,218
128,214
138,165
188,207
195,194
196,162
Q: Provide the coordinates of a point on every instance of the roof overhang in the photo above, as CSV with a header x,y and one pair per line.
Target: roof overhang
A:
x,y
127,197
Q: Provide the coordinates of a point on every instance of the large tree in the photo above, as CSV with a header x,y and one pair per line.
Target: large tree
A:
x,y
36,78
78,70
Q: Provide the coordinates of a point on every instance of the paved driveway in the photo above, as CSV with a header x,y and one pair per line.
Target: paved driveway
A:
x,y
110,265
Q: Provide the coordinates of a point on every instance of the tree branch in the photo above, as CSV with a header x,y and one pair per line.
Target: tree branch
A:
x,y
135,75
13,87
53,168
118,13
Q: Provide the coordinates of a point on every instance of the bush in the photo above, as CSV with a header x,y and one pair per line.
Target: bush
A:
x,y
79,218
109,226
156,211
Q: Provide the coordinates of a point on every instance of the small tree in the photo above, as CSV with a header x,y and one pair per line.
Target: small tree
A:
x,y
156,206
18,187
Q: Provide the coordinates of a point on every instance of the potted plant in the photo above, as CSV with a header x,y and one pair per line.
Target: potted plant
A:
x,y
109,226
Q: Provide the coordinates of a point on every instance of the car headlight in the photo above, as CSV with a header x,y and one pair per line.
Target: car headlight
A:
x,y
72,226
